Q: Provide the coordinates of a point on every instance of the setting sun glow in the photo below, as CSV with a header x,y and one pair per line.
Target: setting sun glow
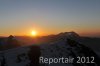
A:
x,y
34,33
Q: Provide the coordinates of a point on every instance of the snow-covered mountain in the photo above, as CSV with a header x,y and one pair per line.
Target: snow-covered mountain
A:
x,y
66,51
69,48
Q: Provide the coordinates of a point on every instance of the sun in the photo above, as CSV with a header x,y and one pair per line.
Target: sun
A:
x,y
34,33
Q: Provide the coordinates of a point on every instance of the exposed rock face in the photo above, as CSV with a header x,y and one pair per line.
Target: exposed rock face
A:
x,y
34,55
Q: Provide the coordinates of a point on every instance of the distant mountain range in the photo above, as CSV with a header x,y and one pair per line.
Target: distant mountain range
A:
x,y
93,43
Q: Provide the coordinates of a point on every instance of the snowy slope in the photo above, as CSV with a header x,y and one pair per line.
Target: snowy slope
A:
x,y
63,49
66,47
10,57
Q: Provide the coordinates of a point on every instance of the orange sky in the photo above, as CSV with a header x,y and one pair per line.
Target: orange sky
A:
x,y
50,17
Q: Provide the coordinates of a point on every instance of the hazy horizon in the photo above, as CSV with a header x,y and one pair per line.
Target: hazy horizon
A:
x,y
20,17
92,36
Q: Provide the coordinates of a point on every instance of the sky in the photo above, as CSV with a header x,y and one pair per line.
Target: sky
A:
x,y
20,17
